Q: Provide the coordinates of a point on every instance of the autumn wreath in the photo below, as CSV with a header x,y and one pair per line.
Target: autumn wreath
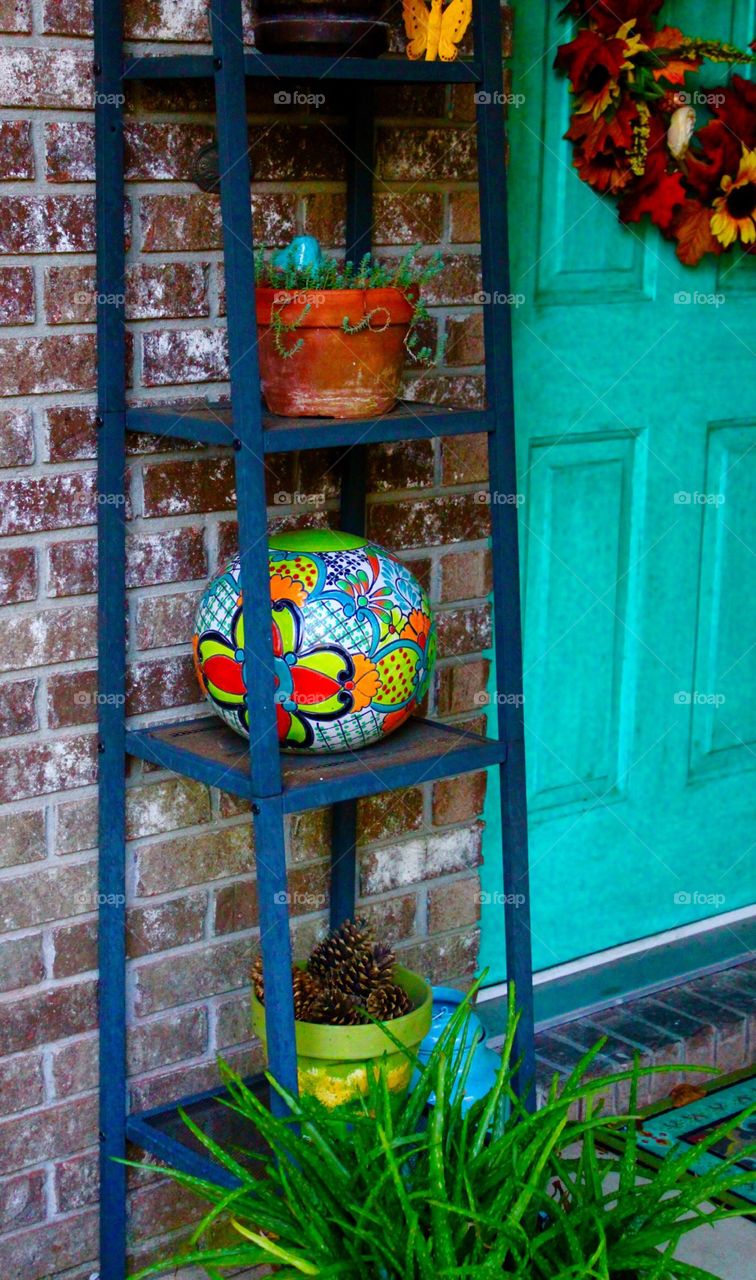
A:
x,y
634,133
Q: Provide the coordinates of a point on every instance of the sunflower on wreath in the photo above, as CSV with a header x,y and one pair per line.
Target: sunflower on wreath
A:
x,y
635,132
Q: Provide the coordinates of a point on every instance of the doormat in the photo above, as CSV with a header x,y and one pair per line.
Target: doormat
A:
x,y
674,1121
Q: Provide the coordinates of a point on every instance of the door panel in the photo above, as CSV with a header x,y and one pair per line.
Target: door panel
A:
x,y
636,419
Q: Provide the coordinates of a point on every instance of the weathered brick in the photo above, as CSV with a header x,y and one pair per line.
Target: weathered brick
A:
x,y
162,925
69,18
161,1041
458,799
153,151
17,295
193,859
462,686
47,224
55,1247
438,154
428,522
150,686
309,834
18,575
385,817
464,345
22,1200
166,20
75,1066
22,837
35,896
45,78
15,16
166,806
165,1086
448,958
77,1182
185,488
159,1208
172,356
71,432
22,1082
16,151
35,366
404,464
18,711
192,223
465,575
152,292
455,391
236,907
420,858
463,630
464,208
173,555
74,948
166,620
393,919
453,905
54,635
36,503
208,971
16,438
21,962
42,767
42,1018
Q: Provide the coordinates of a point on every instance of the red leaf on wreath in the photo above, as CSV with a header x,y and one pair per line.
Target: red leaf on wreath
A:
x,y
613,130
657,193
591,61
738,111
673,70
717,154
608,15
692,231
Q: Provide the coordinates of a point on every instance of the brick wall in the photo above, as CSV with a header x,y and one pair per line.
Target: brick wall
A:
x,y
190,860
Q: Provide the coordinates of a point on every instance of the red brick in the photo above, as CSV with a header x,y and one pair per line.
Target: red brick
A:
x,y
21,962
387,816
22,1200
18,712
75,1066
22,837
428,522
447,959
186,488
166,20
17,295
152,292
77,1182
47,224
463,630
35,366
165,1040
408,218
37,503
72,568
402,153
55,635
40,1019
71,432
157,1209
420,858
236,907
18,575
405,464
166,620
166,806
392,919
45,78
151,686
460,390
15,16
16,153
48,1250
16,438
209,971
162,925
40,768
190,223
74,948
172,555
188,860
465,575
154,1090
172,356
47,894
153,151
464,208
464,343
462,686
454,905
309,835
22,1082
68,17
459,799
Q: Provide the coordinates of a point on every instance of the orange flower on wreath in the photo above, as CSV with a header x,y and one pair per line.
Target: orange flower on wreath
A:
x,y
594,65
734,216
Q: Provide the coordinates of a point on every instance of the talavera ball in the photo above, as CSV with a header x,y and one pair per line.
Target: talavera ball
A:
x,y
353,642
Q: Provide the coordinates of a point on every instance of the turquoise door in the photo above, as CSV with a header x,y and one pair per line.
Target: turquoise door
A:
x,y
636,408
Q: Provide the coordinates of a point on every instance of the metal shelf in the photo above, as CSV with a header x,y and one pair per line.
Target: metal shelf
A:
x,y
277,66
213,424
421,751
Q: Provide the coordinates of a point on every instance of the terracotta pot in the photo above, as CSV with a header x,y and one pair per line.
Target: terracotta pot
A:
x,y
321,26
333,374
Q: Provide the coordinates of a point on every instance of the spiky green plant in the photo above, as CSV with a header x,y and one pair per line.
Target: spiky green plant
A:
x,y
427,1193
407,274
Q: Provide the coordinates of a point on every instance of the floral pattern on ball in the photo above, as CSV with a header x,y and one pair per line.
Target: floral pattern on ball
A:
x,y
353,642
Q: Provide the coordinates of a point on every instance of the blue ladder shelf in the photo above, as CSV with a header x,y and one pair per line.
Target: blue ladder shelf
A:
x,y
277,784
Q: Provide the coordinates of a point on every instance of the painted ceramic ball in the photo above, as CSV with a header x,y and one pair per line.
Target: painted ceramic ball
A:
x,y
353,642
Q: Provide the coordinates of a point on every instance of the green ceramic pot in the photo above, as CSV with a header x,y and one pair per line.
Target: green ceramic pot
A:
x,y
333,1062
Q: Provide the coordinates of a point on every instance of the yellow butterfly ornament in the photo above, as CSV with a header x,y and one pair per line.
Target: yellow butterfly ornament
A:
x,y
437,31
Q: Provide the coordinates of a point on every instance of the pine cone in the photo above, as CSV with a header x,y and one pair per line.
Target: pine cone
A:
x,y
388,1002
257,979
335,1008
345,945
304,985
383,965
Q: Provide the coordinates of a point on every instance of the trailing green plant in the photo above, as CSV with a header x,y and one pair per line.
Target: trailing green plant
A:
x,y
433,1192
408,274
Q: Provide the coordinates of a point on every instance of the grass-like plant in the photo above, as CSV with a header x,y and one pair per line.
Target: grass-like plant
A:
x,y
408,274
434,1192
